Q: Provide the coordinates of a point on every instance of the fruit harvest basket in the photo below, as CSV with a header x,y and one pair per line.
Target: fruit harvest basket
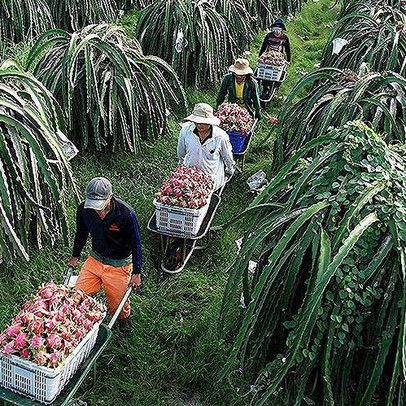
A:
x,y
271,66
42,383
237,122
180,221
48,340
237,140
183,201
271,73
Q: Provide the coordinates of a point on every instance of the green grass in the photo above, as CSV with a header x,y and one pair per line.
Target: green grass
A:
x,y
174,355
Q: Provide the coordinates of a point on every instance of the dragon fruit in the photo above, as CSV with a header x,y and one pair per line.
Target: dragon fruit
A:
x,y
13,330
54,341
37,342
54,359
25,353
41,357
272,58
8,348
36,326
20,341
188,187
51,325
234,118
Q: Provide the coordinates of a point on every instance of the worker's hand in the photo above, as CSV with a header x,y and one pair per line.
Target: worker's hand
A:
x,y
230,172
273,120
73,262
135,280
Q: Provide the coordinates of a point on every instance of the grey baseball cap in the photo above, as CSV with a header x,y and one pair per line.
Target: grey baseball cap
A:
x,y
97,193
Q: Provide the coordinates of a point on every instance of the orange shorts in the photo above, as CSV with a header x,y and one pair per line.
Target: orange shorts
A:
x,y
114,279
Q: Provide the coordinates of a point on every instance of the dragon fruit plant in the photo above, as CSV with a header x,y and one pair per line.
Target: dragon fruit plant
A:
x,y
272,58
187,187
51,325
234,118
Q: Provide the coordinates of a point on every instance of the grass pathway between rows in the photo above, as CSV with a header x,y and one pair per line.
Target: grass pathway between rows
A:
x,y
174,354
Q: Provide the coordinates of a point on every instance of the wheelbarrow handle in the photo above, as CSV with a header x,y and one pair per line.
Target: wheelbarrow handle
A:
x,y
120,306
69,273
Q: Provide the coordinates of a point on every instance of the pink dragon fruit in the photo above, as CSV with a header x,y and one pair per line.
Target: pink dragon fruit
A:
x,y
26,317
79,333
41,357
48,290
54,359
51,325
184,186
3,339
20,341
37,342
58,315
67,347
13,330
65,333
54,341
36,326
8,349
25,353
88,325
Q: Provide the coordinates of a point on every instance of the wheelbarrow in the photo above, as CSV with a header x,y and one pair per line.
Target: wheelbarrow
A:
x,y
270,83
239,157
190,244
66,397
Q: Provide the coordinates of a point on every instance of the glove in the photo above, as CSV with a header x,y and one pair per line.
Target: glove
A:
x,y
230,172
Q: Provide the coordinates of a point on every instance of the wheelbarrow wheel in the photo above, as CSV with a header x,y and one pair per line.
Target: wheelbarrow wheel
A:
x,y
174,254
268,92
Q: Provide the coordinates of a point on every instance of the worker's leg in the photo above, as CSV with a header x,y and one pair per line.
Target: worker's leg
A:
x,y
89,278
115,282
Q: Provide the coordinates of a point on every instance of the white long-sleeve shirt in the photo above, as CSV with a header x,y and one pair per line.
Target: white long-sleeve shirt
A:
x,y
212,156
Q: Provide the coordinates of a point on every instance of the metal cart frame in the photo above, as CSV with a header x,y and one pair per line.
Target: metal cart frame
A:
x,y
273,84
189,243
239,157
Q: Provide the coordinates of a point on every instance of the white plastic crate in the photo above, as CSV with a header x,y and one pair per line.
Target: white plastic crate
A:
x,y
41,383
271,73
179,221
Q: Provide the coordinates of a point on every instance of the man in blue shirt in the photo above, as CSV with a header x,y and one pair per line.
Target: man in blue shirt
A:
x,y
115,258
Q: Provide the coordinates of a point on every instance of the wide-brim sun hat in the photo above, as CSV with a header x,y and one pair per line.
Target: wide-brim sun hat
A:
x,y
241,67
203,114
279,23
98,192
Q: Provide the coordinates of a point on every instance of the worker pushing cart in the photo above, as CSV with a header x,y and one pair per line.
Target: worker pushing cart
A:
x,y
240,87
204,145
276,40
115,258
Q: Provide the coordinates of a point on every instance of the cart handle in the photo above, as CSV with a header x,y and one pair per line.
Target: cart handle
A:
x,y
69,273
254,125
120,306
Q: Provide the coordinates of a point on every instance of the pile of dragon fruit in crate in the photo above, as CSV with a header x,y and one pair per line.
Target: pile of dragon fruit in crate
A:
x,y
186,187
51,325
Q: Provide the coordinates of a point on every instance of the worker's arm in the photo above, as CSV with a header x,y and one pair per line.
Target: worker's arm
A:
x,y
264,45
256,102
287,49
221,95
80,238
226,153
132,225
181,146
